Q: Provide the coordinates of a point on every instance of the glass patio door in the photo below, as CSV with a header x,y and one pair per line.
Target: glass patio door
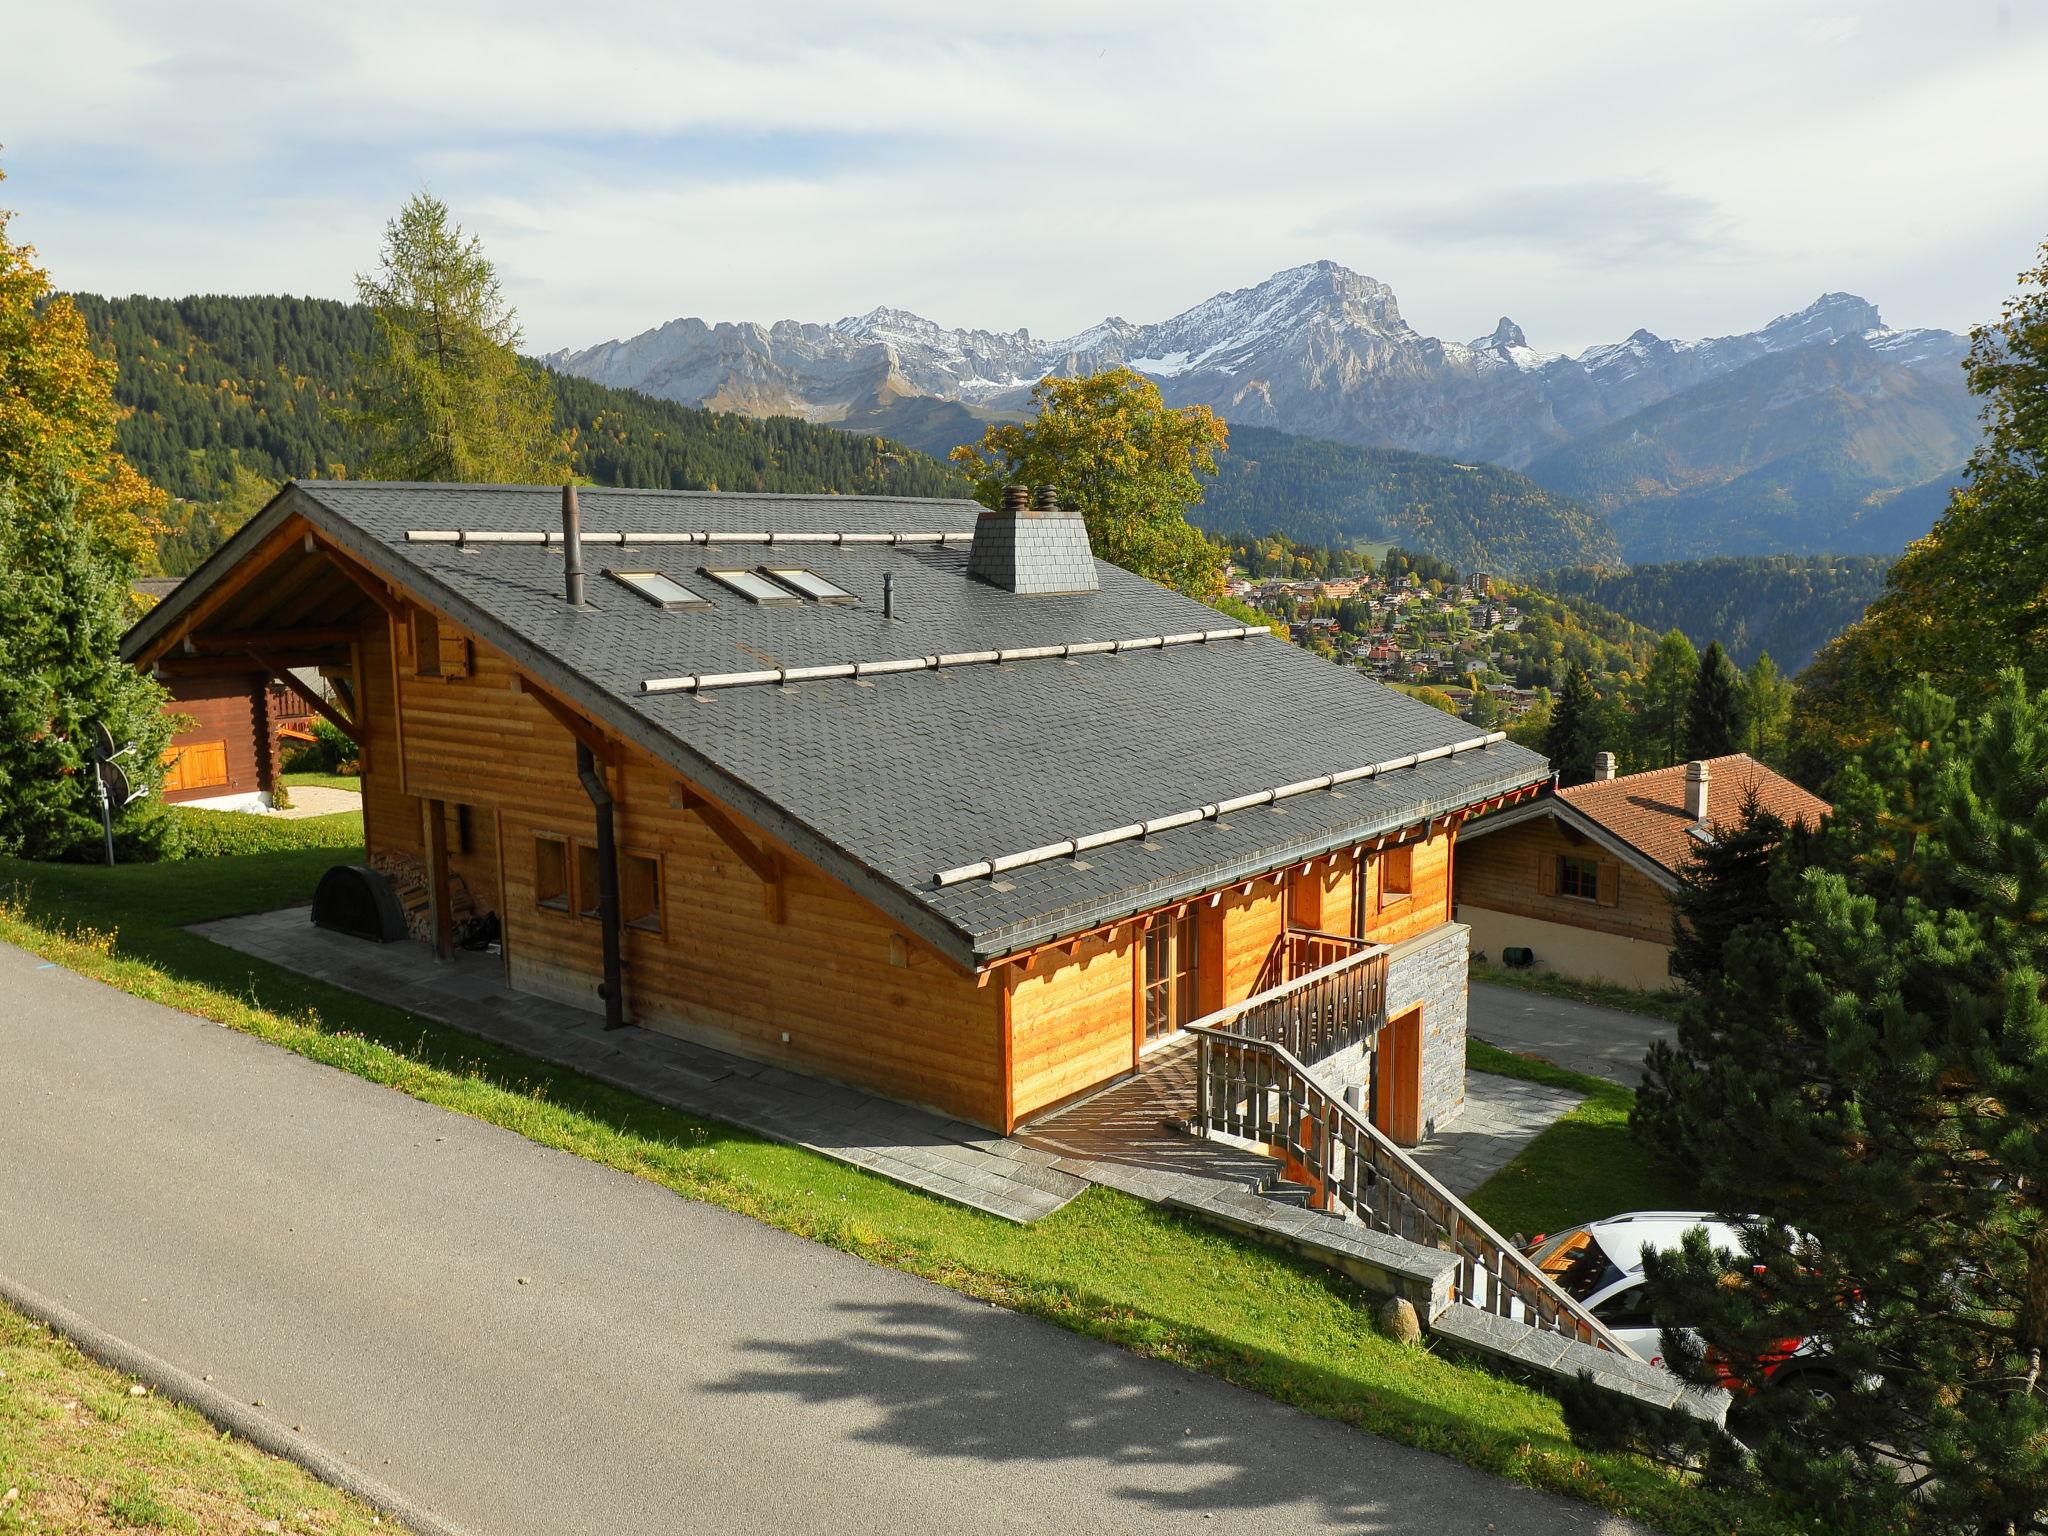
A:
x,y
1169,976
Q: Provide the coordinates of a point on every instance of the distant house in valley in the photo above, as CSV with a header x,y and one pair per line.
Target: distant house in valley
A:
x,y
908,794
1582,878
228,751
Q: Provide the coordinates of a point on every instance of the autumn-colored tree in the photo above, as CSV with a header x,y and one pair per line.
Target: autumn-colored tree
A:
x,y
1111,447
1971,598
57,410
444,394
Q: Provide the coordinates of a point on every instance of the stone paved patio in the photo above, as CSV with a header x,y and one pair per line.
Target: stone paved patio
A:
x,y
913,1147
1501,1116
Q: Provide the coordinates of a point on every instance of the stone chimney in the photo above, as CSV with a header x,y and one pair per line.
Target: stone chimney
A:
x,y
1032,545
1697,781
1603,767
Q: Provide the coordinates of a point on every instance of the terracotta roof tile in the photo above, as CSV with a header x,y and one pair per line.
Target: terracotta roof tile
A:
x,y
1647,810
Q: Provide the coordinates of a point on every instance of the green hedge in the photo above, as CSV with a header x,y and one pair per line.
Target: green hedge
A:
x,y
201,834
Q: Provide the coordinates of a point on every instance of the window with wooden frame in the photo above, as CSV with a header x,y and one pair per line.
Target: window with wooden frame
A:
x,y
551,873
1397,874
1169,976
640,891
1578,878
589,888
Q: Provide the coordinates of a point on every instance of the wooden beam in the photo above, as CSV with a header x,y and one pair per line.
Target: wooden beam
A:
x,y
311,696
373,586
435,813
232,581
322,639
762,861
1006,1081
580,726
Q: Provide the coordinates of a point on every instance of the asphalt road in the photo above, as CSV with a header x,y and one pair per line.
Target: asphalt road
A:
x,y
1602,1042
353,1258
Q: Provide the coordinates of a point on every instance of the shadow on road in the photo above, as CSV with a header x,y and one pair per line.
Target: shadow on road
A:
x,y
1005,1390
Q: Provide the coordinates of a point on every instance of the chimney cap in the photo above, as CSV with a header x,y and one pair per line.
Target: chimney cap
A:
x,y
1603,766
1016,498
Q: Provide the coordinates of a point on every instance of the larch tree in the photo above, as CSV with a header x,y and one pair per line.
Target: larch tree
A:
x,y
1112,448
1713,714
57,410
1766,709
444,394
1663,699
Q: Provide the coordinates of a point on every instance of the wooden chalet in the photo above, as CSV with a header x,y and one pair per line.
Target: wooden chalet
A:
x,y
908,794
1579,881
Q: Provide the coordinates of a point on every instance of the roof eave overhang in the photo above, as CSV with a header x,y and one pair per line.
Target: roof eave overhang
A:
x,y
994,947
1564,811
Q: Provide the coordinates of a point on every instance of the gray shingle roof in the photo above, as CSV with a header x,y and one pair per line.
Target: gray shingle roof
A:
x,y
891,779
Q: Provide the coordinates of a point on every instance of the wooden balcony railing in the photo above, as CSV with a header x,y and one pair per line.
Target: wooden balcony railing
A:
x,y
1257,1088
1326,993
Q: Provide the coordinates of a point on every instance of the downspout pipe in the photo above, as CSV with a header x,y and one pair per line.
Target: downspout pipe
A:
x,y
607,886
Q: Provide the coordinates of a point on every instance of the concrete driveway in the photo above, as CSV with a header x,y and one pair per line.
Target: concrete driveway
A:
x,y
1601,1042
355,1259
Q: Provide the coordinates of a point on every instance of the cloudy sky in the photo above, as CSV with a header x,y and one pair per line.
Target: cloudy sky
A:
x,y
1584,167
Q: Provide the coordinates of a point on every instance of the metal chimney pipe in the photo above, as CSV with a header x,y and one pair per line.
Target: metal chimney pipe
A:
x,y
572,546
888,594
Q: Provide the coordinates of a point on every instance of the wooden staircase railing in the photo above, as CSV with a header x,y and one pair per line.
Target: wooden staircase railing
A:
x,y
1255,1087
1326,993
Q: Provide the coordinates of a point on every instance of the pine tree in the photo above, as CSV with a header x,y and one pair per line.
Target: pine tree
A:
x,y
1712,724
443,395
63,609
1876,1093
1569,742
57,410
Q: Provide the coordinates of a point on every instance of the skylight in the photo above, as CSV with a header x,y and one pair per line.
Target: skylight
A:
x,y
809,583
751,585
660,590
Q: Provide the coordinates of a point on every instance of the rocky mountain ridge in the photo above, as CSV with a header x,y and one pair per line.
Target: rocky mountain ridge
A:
x,y
1317,350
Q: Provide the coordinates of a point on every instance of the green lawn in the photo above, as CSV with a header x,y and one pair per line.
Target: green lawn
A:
x,y
81,1452
1658,1005
347,781
1585,1166
1107,1265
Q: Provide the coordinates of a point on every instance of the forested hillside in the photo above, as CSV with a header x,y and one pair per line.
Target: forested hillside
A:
x,y
1788,605
230,395
1477,516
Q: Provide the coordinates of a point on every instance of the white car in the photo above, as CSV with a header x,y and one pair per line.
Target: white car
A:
x,y
1600,1265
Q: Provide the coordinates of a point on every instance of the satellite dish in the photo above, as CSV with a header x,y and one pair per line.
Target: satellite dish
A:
x,y
115,781
99,741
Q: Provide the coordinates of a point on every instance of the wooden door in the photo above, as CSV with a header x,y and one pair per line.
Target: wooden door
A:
x,y
1169,979
1397,1079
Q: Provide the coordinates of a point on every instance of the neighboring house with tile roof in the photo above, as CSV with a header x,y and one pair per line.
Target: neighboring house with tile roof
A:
x,y
903,793
1581,879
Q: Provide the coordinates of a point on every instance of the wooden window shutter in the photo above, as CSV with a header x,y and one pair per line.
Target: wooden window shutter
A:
x,y
1546,873
1610,883
455,653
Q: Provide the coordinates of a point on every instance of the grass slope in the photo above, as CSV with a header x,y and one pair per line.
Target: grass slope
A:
x,y
81,1452
1107,1266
